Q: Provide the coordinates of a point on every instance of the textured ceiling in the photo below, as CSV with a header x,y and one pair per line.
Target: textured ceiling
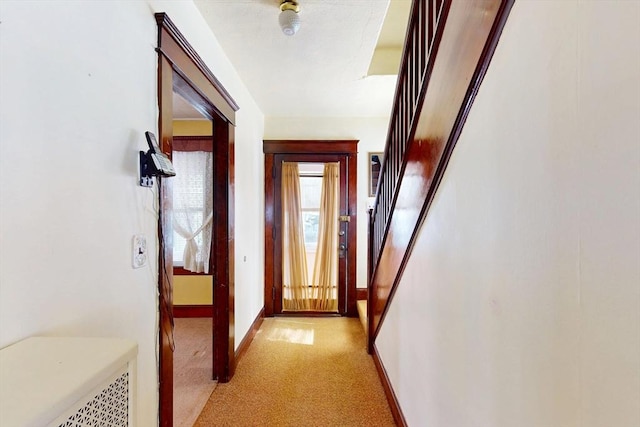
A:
x,y
320,71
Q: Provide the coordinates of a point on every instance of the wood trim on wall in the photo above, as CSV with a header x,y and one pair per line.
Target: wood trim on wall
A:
x,y
180,271
191,311
193,143
394,405
222,257
249,336
352,185
283,146
180,69
165,255
361,293
269,234
175,47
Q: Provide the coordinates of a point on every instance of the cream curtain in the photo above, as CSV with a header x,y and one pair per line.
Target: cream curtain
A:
x,y
295,284
325,269
193,206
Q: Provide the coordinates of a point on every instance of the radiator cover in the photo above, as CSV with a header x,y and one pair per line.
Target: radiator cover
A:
x,y
68,382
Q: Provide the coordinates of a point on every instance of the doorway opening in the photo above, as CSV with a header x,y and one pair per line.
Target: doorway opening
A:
x,y
192,157
310,232
310,194
182,71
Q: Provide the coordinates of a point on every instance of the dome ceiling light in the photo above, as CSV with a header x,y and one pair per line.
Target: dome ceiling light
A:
x,y
289,19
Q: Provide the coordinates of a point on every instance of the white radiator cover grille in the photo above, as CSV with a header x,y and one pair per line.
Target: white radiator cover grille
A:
x,y
109,408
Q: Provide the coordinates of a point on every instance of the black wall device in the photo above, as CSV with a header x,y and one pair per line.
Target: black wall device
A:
x,y
154,162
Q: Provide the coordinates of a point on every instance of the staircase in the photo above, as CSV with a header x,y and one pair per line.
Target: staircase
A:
x,y
362,313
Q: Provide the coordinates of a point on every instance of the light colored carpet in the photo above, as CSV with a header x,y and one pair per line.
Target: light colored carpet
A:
x,y
302,372
192,383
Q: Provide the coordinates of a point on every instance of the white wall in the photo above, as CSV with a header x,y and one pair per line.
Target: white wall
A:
x,y
371,132
249,225
520,305
78,85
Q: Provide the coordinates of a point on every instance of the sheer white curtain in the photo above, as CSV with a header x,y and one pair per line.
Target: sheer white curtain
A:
x,y
193,206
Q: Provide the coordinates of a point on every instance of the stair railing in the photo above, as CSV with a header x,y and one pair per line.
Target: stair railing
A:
x,y
448,48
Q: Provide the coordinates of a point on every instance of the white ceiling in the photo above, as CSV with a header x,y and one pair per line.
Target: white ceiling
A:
x,y
320,71
183,110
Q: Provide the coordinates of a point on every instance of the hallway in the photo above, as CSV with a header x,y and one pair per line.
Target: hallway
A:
x,y
302,371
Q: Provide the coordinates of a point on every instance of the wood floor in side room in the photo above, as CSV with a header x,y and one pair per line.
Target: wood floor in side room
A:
x,y
192,383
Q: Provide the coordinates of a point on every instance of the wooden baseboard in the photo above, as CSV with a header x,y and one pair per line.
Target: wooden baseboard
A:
x,y
248,338
398,416
361,293
192,311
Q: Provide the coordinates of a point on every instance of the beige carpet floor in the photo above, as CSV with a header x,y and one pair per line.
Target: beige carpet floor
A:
x,y
302,372
192,383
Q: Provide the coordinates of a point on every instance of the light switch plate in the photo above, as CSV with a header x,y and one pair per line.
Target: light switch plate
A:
x,y
139,251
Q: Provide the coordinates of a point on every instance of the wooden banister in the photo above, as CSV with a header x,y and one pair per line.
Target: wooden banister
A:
x,y
448,47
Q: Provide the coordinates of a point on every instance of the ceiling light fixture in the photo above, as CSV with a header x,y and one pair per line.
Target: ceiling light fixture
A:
x,y
289,19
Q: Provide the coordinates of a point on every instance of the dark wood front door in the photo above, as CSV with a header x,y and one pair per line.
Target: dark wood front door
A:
x,y
317,152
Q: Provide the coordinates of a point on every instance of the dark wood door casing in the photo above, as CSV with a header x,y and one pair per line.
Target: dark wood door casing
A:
x,y
342,159
181,69
276,151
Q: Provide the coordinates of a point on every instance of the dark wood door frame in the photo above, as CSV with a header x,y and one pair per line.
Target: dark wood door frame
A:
x,y
181,69
343,265
319,151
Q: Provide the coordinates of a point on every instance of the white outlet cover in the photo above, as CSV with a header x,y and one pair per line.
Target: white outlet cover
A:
x,y
139,251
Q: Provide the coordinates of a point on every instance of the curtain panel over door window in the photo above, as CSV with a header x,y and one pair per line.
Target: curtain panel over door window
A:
x,y
325,269
294,255
318,293
193,208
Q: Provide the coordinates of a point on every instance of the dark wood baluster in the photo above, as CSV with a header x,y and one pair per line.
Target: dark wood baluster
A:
x,y
393,156
407,115
419,39
400,139
415,58
422,37
431,19
410,77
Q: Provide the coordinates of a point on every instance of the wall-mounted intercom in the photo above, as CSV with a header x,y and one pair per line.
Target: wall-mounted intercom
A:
x,y
154,162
